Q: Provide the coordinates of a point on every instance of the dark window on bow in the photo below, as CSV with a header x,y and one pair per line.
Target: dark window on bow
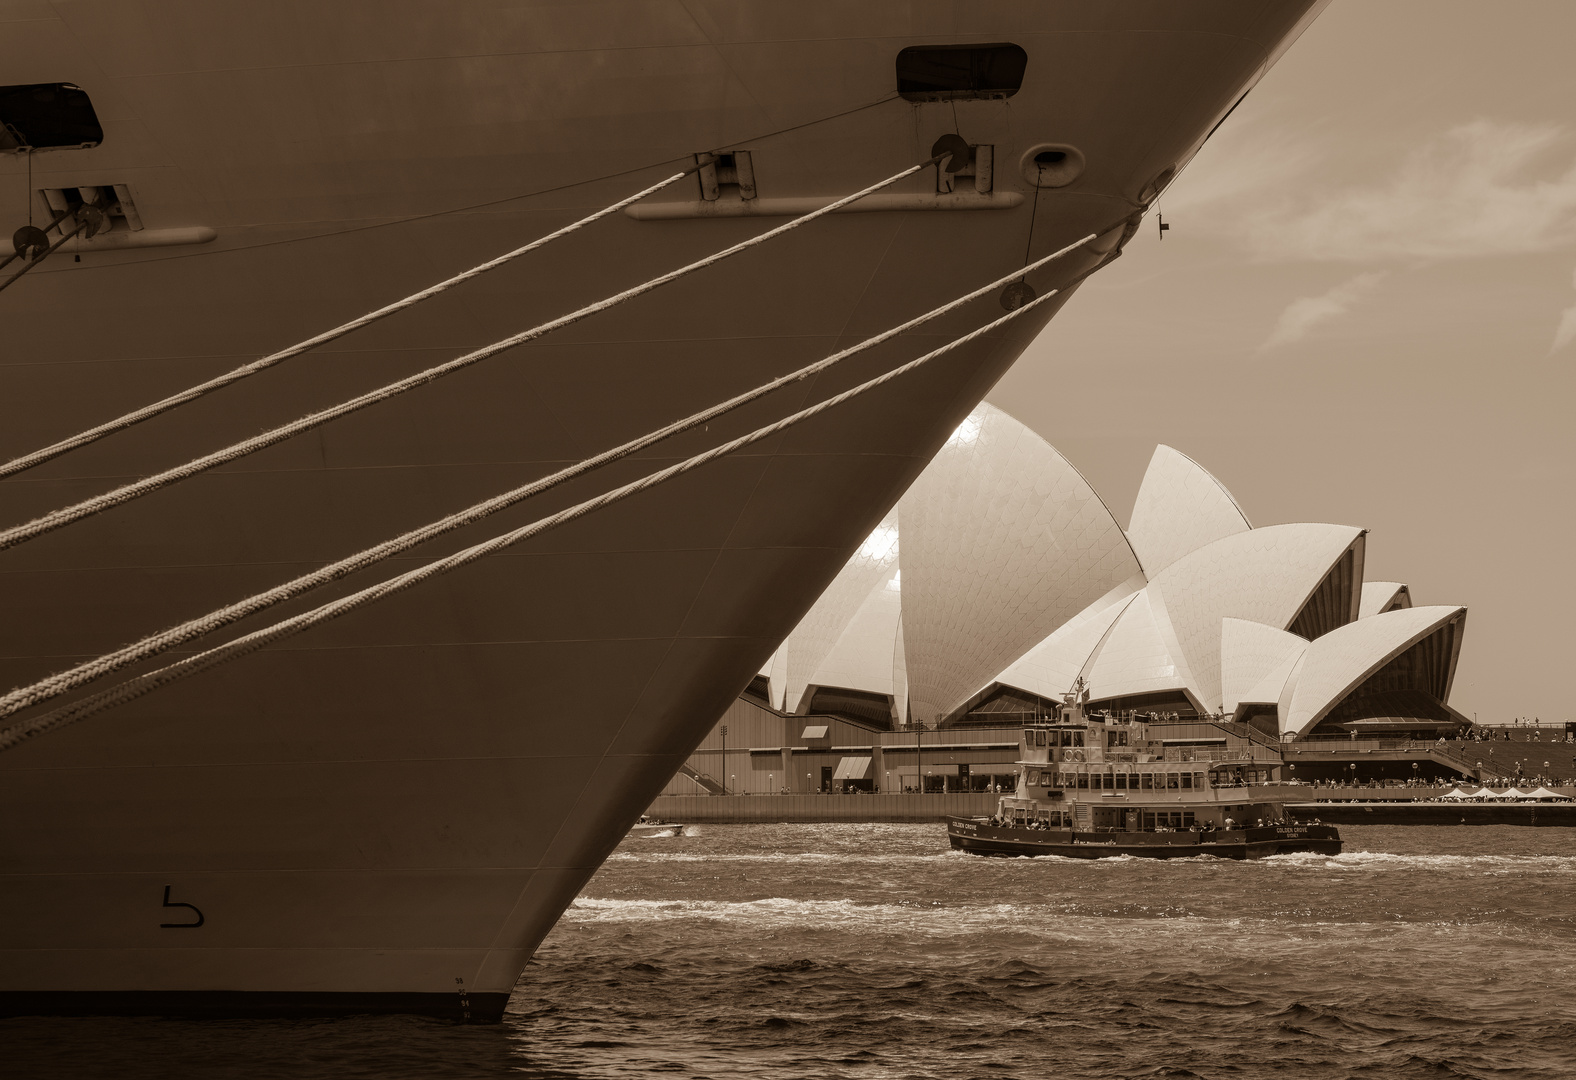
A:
x,y
954,72
43,116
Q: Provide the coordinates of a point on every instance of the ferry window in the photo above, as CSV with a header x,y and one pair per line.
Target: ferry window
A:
x,y
44,116
1187,781
960,72
1078,738
1187,818
1198,780
1148,781
1121,781
1171,781
1083,780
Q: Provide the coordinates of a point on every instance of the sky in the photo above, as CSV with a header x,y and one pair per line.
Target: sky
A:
x,y
1365,313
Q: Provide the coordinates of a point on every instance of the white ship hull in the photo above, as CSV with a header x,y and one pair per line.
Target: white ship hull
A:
x,y
391,811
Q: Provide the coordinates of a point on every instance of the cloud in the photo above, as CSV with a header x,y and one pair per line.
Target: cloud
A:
x,y
1303,314
1479,189
1565,333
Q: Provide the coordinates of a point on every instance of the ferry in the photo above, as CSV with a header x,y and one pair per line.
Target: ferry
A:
x,y
388,812
1094,785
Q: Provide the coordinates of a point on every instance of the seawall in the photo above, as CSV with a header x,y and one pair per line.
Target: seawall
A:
x,y
1437,813
816,807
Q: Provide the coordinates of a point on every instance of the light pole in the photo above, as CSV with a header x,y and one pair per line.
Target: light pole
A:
x,y
725,753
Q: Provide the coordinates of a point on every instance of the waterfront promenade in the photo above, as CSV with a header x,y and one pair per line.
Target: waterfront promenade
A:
x,y
816,807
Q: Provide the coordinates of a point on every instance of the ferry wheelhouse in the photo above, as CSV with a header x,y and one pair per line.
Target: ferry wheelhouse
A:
x,y
1094,784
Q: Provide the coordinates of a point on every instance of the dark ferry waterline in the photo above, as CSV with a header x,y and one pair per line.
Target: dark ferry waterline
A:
x,y
1092,785
983,838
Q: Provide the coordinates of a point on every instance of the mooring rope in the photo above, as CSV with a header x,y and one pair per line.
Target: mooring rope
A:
x,y
136,687
59,518
191,393
89,671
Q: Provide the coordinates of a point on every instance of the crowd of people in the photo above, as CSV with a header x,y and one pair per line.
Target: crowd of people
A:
x,y
1504,734
1041,825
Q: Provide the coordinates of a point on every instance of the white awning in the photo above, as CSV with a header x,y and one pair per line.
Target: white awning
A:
x,y
817,732
852,768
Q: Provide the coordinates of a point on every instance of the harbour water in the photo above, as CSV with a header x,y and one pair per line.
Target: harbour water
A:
x,y
873,951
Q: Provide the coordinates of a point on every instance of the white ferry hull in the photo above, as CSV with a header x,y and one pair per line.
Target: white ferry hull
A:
x,y
391,811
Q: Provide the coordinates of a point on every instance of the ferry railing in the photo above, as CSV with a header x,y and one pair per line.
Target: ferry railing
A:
x,y
1206,754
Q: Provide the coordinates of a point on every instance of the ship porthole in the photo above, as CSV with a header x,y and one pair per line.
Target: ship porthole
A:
x,y
1052,165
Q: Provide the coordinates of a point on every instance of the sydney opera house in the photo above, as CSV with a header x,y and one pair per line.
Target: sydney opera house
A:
x,y
1001,577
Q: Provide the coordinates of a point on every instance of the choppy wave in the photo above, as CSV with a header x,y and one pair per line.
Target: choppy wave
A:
x,y
781,857
1067,922
1349,860
1382,860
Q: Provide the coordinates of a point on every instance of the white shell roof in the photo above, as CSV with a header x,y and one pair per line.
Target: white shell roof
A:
x,y
1264,576
776,672
1051,667
1135,657
1338,662
1014,572
812,640
1180,508
1383,596
1253,659
862,657
1003,542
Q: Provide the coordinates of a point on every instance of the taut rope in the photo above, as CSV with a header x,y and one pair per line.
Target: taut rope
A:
x,y
139,685
191,393
56,519
88,671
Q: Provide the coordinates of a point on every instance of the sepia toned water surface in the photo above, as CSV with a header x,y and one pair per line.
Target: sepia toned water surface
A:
x,y
873,951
